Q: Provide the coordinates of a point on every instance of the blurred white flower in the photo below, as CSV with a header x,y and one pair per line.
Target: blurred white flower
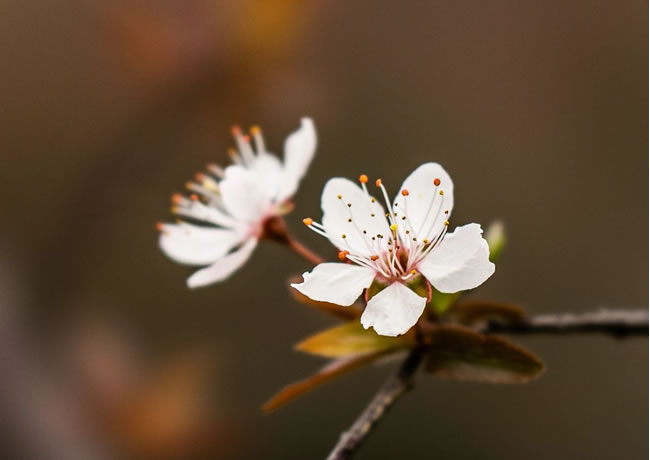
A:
x,y
395,248
233,205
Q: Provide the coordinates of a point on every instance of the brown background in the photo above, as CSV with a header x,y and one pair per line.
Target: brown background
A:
x,y
537,109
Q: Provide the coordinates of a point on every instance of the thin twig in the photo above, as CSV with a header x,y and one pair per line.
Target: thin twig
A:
x,y
618,323
388,393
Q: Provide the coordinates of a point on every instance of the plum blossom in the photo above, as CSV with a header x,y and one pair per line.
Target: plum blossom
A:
x,y
395,248
229,208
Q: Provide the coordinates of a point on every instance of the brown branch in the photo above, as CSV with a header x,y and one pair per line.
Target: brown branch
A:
x,y
618,323
388,393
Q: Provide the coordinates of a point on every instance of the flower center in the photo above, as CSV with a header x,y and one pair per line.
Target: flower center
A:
x,y
396,255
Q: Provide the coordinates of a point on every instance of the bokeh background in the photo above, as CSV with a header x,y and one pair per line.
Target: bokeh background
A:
x,y
537,109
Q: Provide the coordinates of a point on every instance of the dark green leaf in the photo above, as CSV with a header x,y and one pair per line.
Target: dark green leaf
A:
x,y
471,312
463,354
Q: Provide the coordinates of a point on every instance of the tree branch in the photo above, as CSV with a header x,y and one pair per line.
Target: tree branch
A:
x,y
388,393
618,323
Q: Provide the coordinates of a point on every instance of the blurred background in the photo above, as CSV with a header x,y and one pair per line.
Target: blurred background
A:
x,y
537,109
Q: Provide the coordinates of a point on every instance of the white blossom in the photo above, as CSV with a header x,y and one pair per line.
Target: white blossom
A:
x,y
225,215
395,248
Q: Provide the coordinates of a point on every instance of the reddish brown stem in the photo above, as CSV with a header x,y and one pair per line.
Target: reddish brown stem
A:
x,y
303,251
276,229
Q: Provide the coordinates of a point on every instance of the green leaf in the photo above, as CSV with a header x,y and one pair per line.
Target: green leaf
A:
x,y
351,339
441,302
471,312
460,353
329,372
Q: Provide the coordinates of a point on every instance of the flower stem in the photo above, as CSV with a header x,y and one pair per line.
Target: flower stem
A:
x,y
276,229
303,251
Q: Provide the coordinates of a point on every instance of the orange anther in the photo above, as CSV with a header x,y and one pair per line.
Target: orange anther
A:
x,y
255,130
363,179
308,221
199,176
160,226
373,258
177,198
405,192
378,182
343,255
236,130
194,197
436,181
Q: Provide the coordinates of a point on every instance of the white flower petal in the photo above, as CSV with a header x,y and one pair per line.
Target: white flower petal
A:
x,y
337,283
393,311
208,213
299,149
270,174
424,206
365,216
461,261
224,267
243,194
193,245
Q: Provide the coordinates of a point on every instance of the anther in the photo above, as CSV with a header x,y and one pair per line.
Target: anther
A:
x,y
413,272
447,211
199,176
194,197
343,236
177,198
436,181
405,192
160,226
349,219
446,222
308,221
425,241
363,179
378,182
393,227
373,258
236,130
372,215
343,255
339,196
442,192
372,200
349,205
255,130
